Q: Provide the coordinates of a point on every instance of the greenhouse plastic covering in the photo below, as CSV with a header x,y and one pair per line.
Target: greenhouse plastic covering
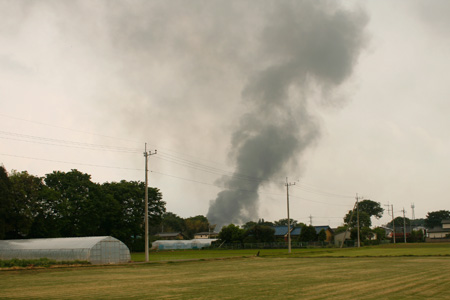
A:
x,y
97,250
181,244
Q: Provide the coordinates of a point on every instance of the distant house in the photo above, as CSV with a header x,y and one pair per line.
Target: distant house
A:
x,y
399,232
440,232
329,232
206,235
170,236
282,232
340,237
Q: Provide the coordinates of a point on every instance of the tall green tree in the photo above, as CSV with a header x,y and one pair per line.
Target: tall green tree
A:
x,y
27,197
284,222
171,223
398,222
434,218
260,234
322,236
231,234
79,206
195,224
249,225
308,234
6,203
265,223
129,216
367,210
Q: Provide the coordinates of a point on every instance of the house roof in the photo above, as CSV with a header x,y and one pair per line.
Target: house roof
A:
x,y
283,230
207,233
319,228
168,234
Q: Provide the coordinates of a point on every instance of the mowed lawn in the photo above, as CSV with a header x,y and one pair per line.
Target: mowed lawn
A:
x,y
418,249
266,277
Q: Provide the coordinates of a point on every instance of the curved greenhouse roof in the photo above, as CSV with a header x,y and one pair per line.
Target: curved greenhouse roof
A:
x,y
96,249
181,244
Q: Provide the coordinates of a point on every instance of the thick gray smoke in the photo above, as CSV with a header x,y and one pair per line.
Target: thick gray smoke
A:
x,y
177,73
305,45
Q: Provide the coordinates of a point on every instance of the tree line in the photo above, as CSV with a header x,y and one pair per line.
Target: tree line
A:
x,y
264,232
69,204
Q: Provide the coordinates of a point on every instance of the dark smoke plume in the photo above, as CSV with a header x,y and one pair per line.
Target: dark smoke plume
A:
x,y
305,45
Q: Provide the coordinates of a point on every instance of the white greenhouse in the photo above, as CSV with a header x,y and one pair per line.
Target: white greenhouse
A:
x,y
181,244
96,249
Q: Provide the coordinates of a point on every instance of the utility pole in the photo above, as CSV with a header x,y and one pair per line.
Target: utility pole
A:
x,y
393,223
357,219
310,220
391,213
288,217
146,155
404,226
413,217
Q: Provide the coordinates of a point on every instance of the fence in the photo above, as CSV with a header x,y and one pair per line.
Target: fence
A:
x,y
275,245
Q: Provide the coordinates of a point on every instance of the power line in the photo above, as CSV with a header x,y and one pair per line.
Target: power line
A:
x,y
314,190
164,156
74,163
66,128
64,143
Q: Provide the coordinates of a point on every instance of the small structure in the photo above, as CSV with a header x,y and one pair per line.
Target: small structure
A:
x,y
341,237
206,235
440,232
96,250
282,232
182,244
328,231
170,236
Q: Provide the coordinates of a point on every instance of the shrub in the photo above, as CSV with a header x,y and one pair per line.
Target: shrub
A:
x,y
42,262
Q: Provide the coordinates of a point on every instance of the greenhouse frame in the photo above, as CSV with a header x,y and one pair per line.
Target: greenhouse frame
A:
x,y
96,249
181,244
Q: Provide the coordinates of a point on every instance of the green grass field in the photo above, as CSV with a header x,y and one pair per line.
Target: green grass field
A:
x,y
419,249
387,272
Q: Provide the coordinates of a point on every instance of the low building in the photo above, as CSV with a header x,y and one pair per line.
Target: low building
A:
x,y
182,244
206,235
96,249
170,236
340,237
440,232
282,232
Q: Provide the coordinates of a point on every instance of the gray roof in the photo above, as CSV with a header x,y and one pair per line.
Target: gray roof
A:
x,y
168,234
283,230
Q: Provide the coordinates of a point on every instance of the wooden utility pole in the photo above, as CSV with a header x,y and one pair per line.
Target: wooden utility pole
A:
x,y
393,223
404,226
357,219
146,155
288,217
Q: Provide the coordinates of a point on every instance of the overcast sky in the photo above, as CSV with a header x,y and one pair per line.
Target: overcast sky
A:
x,y
346,98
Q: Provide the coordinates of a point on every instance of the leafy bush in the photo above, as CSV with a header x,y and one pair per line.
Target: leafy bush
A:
x,y
42,262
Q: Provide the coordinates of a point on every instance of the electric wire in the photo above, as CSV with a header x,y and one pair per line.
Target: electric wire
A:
x,y
173,176
74,163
